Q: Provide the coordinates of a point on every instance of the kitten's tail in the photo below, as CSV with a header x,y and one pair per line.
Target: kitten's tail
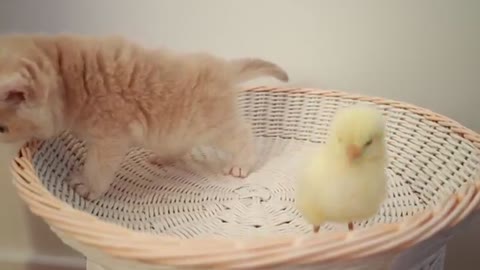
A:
x,y
246,69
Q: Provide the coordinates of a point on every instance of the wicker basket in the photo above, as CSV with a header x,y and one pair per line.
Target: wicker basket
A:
x,y
187,216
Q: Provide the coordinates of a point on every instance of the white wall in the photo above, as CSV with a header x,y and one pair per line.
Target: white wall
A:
x,y
425,52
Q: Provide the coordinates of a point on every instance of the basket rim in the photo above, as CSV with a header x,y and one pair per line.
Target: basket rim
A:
x,y
265,251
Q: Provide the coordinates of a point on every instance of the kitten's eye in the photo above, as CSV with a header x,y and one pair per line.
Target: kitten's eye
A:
x,y
369,142
3,129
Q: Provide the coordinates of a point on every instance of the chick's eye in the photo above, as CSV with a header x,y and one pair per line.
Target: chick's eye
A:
x,y
369,142
3,129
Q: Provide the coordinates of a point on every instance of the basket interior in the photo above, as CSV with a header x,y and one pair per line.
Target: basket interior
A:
x,y
427,162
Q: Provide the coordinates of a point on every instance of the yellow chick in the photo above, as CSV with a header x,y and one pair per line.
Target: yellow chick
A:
x,y
346,181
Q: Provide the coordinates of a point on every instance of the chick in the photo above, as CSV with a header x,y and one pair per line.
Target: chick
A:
x,y
346,180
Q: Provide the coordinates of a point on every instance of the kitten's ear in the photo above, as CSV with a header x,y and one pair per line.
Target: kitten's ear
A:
x,y
15,96
23,86
14,90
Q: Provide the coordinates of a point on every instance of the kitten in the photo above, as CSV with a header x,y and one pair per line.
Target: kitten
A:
x,y
114,95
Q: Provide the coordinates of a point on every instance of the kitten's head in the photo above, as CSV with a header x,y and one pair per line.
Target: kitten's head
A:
x,y
25,84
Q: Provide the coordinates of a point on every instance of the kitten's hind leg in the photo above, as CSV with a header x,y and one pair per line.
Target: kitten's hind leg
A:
x,y
236,139
102,160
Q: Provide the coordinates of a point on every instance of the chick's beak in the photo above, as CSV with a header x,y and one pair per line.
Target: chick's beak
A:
x,y
353,152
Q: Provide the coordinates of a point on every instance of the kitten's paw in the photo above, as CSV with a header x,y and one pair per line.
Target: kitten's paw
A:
x,y
160,161
240,167
237,171
80,185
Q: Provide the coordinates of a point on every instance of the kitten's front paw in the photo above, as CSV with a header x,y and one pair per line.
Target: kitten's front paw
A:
x,y
160,161
240,166
81,186
237,171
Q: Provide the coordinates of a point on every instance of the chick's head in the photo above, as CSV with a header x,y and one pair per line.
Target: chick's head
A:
x,y
358,132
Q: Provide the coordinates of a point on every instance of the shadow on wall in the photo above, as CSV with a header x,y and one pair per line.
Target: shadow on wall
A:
x,y
59,257
460,257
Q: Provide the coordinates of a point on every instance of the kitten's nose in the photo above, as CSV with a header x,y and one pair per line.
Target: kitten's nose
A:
x,y
353,152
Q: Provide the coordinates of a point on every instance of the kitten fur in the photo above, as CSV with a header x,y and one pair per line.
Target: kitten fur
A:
x,y
115,94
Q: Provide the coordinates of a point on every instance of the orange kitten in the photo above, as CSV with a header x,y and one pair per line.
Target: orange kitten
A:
x,y
115,95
